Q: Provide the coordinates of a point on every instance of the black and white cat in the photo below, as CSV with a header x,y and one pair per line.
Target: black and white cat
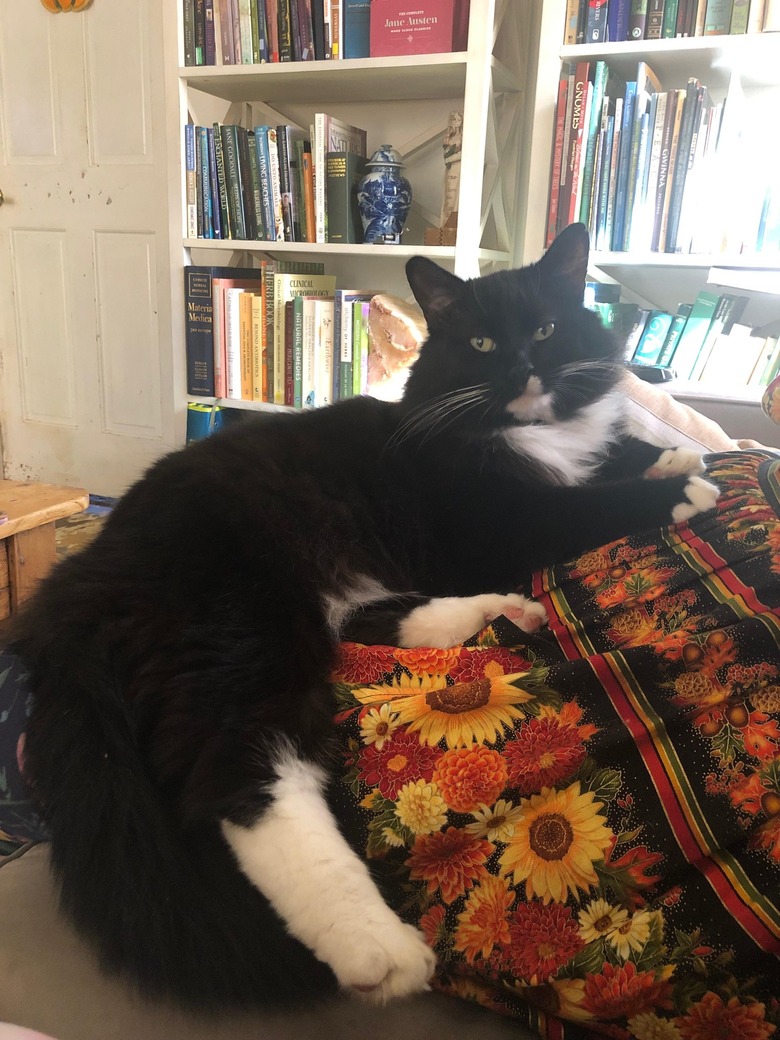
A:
x,y
179,735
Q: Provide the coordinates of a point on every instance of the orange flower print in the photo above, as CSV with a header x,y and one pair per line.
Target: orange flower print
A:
x,y
620,991
424,660
433,925
543,937
362,664
544,751
710,1018
483,924
470,777
773,540
400,759
449,861
768,836
486,662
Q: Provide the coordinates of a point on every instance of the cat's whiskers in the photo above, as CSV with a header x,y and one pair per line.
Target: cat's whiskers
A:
x,y
450,405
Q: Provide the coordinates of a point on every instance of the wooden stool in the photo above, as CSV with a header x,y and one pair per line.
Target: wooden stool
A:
x,y
27,543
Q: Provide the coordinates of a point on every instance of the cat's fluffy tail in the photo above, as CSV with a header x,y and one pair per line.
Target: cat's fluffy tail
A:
x,y
163,904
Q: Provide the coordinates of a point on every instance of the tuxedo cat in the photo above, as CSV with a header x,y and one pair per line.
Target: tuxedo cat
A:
x,y
179,666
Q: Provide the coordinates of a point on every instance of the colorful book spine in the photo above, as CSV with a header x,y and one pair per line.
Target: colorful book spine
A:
x,y
191,181
267,225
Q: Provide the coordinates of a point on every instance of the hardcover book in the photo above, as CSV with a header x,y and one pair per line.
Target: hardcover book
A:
x,y
652,340
424,27
287,287
199,323
343,171
355,28
331,135
694,334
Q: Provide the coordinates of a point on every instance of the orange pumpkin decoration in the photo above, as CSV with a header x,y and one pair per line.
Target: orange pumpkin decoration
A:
x,y
55,6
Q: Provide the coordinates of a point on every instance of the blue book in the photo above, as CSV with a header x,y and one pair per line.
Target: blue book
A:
x,y
617,21
216,216
592,131
205,182
191,180
653,338
694,334
355,27
624,162
674,333
268,225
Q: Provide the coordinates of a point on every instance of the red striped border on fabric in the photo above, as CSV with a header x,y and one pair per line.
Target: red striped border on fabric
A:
x,y
678,814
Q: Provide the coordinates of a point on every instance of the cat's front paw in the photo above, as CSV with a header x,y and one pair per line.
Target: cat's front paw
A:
x,y
700,496
527,614
449,621
676,462
384,964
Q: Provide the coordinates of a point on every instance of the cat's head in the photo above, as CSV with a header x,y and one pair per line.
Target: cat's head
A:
x,y
512,347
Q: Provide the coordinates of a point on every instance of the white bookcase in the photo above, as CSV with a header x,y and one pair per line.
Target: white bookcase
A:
x,y
659,280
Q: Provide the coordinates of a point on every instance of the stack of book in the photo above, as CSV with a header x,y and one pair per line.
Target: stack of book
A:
x,y
280,333
249,32
599,21
702,342
269,184
648,169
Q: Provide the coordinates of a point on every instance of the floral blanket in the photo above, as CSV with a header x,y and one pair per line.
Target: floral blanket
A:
x,y
587,828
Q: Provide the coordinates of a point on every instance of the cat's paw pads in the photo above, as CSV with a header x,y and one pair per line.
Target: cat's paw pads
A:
x,y
527,614
393,962
700,496
676,462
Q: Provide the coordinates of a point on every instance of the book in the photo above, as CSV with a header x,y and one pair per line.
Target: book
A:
x,y
727,312
275,186
259,356
267,222
669,23
596,21
287,136
330,135
342,337
617,20
576,115
557,159
637,19
600,74
570,22
623,164
397,27
308,196
324,349
343,171
199,323
251,281
287,287
651,341
717,17
694,334
675,331
655,19
664,193
733,357
683,160
634,333
359,347
219,162
190,177
233,184
355,29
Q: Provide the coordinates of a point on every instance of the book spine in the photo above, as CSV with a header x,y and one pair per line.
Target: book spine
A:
x,y
319,143
233,180
318,29
675,331
247,198
601,236
200,32
293,316
324,353
254,180
655,19
345,351
253,35
205,182
335,29
216,213
669,23
717,17
308,197
188,27
617,130
227,51
219,162
267,290
637,19
617,21
739,17
308,354
355,29
233,343
276,190
262,32
272,27
306,30
268,224
592,131
285,31
190,180
557,161
624,162
245,341
570,23
596,24
285,183
198,331
210,43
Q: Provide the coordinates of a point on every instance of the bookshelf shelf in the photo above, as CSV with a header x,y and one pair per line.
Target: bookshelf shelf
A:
x,y
407,78
312,250
701,261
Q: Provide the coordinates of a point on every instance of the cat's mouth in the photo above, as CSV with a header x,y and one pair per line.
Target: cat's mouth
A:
x,y
534,404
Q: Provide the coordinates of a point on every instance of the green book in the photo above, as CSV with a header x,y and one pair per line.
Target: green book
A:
x,y
694,334
343,170
653,337
674,333
297,351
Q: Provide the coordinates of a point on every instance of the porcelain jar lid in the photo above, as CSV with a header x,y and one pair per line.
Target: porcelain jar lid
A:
x,y
385,155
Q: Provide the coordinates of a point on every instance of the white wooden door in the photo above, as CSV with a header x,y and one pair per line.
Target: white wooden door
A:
x,y
86,387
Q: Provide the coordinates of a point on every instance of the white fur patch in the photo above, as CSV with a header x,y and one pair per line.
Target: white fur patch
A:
x,y
450,620
533,404
570,451
676,462
296,856
360,593
701,496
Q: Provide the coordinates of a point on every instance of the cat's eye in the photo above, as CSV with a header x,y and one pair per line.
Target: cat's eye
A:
x,y
483,343
544,332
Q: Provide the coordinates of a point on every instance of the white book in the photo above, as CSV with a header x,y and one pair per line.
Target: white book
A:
x,y
330,135
324,309
233,342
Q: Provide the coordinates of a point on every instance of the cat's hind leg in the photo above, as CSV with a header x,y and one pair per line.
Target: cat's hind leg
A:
x,y
296,856
448,621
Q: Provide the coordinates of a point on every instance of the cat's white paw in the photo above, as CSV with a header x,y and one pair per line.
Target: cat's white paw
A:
x,y
449,621
388,961
700,496
676,462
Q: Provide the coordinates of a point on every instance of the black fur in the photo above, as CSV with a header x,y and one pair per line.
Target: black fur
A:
x,y
166,656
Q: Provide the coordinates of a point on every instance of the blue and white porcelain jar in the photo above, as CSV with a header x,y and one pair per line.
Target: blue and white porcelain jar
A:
x,y
384,197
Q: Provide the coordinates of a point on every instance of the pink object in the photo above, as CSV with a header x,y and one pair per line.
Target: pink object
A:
x,y
9,1032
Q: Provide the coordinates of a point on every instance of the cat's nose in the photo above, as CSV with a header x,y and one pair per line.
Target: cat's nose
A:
x,y
522,372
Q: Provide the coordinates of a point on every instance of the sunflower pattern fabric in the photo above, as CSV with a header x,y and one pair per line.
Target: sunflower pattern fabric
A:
x,y
587,827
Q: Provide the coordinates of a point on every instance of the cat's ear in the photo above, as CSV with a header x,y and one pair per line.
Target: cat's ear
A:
x,y
433,287
567,258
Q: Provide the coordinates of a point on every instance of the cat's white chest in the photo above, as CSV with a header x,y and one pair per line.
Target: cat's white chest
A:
x,y
570,451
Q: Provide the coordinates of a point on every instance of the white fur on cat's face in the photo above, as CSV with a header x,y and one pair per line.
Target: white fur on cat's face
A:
x,y
533,404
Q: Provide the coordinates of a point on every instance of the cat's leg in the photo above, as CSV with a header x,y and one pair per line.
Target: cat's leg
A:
x,y
632,456
296,856
675,462
448,621
439,622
